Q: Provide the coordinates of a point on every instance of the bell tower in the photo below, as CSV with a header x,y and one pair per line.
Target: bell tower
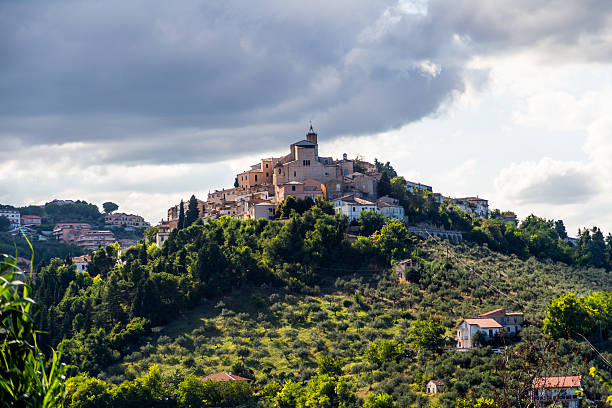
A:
x,y
311,136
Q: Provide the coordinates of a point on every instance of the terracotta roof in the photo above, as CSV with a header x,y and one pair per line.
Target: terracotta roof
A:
x,y
557,382
224,377
484,323
491,312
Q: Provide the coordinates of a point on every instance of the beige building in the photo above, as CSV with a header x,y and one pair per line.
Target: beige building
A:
x,y
127,220
512,322
94,239
302,165
300,190
68,231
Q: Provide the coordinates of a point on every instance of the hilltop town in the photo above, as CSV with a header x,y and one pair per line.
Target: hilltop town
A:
x,y
352,185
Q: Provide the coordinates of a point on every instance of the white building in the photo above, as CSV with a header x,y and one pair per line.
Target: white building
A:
x,y
412,186
473,205
80,262
557,391
466,330
435,386
390,208
352,206
260,209
13,216
160,238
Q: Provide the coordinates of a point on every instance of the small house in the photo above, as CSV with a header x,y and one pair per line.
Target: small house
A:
x,y
435,386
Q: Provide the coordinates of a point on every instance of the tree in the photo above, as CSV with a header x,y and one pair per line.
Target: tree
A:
x,y
150,234
193,212
379,401
384,185
566,316
5,224
181,219
426,335
329,365
109,207
370,221
236,184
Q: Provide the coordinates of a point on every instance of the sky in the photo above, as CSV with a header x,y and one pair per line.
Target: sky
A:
x,y
146,102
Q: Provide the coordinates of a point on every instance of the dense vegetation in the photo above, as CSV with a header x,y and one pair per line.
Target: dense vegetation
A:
x,y
303,312
26,378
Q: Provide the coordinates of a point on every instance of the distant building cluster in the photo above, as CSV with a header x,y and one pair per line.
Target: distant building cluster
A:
x,y
126,220
83,235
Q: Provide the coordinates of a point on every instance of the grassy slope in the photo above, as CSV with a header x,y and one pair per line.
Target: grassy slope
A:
x,y
289,331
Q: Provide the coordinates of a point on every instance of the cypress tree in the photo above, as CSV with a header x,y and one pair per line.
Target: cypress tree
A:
x,y
192,211
181,220
384,185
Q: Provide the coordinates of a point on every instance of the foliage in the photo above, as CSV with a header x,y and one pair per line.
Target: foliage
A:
x,y
329,365
571,315
426,335
109,207
370,222
26,378
379,401
193,212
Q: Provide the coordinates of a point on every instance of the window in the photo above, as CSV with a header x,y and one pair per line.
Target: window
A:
x,y
279,171
353,209
326,174
292,188
294,173
256,177
267,175
266,165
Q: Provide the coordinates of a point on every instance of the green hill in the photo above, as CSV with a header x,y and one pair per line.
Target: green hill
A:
x,y
279,301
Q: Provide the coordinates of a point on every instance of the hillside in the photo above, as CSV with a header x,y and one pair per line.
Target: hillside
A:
x,y
270,333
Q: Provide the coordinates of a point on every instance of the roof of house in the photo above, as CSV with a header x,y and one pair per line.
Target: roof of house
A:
x,y
224,377
557,382
492,312
385,204
437,382
354,200
484,323
82,258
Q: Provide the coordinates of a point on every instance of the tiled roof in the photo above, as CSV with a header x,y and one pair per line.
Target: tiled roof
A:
x,y
484,323
557,382
224,377
491,312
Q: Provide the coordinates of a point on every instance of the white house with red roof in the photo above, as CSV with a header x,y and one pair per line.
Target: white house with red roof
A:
x,y
557,391
467,328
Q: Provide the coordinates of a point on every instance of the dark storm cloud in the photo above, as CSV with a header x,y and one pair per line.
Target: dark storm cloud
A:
x,y
203,80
